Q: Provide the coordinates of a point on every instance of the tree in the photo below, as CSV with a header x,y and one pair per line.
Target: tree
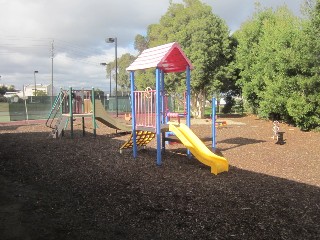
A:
x,y
248,49
140,43
40,93
5,88
144,79
204,37
304,104
277,58
123,76
279,63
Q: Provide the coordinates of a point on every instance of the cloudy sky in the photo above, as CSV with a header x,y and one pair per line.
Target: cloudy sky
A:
x,y
77,30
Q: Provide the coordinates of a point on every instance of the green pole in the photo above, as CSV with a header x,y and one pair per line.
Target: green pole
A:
x,y
93,113
70,111
61,98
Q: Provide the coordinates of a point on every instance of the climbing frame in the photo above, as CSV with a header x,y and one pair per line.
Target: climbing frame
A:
x,y
142,139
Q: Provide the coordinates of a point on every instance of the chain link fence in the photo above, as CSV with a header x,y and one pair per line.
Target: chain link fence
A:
x,y
34,108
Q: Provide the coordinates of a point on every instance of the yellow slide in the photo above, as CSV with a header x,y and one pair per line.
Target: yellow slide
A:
x,y
198,148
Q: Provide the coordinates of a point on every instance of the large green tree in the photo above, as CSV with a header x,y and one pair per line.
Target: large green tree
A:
x,y
204,37
277,69
304,104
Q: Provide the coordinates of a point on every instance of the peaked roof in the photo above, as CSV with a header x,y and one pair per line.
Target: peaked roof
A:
x,y
168,57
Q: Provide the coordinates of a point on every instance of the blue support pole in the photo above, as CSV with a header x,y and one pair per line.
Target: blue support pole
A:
x,y
188,102
163,120
188,96
133,115
158,115
164,110
213,124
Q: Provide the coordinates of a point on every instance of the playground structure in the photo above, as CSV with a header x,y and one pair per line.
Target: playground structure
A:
x,y
68,105
71,104
149,110
149,107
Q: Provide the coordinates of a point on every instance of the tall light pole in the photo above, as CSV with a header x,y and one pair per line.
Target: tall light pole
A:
x,y
108,65
52,55
114,40
35,83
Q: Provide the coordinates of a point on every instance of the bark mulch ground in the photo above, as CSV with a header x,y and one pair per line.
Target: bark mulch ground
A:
x,y
83,188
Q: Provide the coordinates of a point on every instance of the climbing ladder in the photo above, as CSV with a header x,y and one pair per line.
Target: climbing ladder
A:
x,y
143,138
55,120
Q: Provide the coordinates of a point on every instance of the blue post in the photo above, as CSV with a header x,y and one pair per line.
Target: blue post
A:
x,y
213,124
188,96
164,110
188,102
163,120
133,115
158,115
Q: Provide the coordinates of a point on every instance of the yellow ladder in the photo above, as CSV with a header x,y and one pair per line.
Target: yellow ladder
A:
x,y
143,138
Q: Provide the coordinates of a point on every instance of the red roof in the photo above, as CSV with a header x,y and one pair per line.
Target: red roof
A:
x,y
168,57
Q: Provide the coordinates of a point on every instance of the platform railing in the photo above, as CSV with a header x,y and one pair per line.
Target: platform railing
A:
x,y
145,107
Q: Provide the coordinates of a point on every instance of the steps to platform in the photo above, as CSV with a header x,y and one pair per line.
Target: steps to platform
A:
x,y
142,139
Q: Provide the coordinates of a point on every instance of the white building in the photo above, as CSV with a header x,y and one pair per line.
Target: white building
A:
x,y
10,94
29,90
13,96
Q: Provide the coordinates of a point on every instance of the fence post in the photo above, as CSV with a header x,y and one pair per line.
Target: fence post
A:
x,y
94,113
70,111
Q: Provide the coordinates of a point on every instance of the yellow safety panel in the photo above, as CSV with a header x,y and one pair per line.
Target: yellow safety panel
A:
x,y
143,138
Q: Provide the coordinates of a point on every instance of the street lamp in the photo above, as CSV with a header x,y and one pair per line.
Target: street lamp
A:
x,y
114,40
35,83
108,65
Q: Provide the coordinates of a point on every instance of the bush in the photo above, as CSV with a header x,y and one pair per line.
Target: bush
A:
x,y
3,99
305,114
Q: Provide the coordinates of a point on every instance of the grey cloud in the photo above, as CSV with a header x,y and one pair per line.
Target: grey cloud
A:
x,y
79,28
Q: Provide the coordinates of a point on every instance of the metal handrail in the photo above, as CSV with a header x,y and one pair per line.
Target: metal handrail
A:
x,y
56,109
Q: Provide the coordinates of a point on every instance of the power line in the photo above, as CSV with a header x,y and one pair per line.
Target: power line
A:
x,y
11,45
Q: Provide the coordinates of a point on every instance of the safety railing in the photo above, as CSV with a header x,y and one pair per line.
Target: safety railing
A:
x,y
145,107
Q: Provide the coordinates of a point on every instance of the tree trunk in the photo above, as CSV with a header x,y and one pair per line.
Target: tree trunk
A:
x,y
198,102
